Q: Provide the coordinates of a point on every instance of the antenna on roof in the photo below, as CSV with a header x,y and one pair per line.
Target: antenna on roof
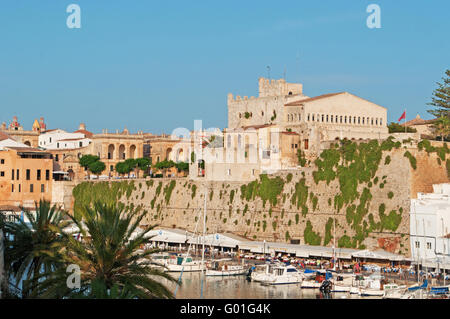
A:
x,y
268,72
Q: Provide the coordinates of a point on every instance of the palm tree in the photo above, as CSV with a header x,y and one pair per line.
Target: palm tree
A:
x,y
442,126
110,258
31,250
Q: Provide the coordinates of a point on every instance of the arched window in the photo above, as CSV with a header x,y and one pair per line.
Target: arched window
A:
x,y
341,119
327,118
331,119
308,118
345,119
323,118
313,117
381,121
376,121
359,120
239,140
299,117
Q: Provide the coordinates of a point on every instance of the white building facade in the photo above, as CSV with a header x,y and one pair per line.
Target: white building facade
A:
x,y
60,139
429,227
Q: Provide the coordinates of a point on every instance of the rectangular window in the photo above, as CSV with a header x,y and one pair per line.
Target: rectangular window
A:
x,y
12,174
20,188
42,188
2,174
417,244
17,174
2,161
56,157
428,245
28,174
229,172
81,144
31,188
38,177
47,175
12,188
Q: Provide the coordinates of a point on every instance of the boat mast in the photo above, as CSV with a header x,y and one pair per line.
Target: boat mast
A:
x,y
334,244
204,228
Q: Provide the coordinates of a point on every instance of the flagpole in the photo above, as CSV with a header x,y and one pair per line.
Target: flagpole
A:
x,y
405,121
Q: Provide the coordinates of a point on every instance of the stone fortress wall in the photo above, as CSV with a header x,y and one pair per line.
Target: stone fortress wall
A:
x,y
290,204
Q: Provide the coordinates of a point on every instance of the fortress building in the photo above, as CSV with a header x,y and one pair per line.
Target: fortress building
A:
x,y
316,119
272,131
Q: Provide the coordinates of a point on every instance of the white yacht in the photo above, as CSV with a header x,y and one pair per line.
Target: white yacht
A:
x,y
369,286
315,279
225,268
282,275
260,271
180,263
342,282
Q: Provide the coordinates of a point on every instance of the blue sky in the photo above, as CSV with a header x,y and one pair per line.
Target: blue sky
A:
x,y
156,66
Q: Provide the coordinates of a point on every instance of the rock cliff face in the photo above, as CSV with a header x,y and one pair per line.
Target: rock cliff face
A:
x,y
358,194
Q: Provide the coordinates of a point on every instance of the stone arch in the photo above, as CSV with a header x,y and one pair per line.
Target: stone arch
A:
x,y
111,151
168,153
122,154
27,143
180,155
132,151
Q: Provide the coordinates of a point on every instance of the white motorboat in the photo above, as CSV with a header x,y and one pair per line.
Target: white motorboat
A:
x,y
185,264
260,271
394,291
315,280
282,275
225,268
372,286
342,283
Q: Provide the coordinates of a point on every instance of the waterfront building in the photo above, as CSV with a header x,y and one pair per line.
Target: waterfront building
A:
x,y
60,139
316,119
273,131
245,153
429,226
26,176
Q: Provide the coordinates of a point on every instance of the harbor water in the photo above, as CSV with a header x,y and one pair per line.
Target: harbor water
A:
x,y
238,287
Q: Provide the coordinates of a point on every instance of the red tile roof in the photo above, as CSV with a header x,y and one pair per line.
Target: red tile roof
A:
x,y
86,133
418,121
4,136
295,103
